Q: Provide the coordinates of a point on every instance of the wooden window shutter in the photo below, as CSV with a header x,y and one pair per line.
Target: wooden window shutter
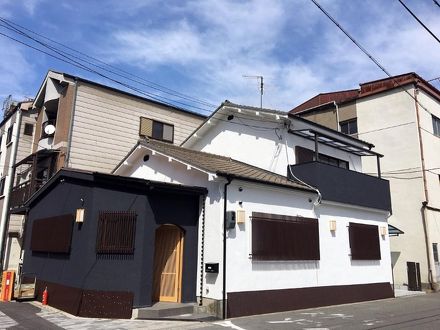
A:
x,y
146,127
364,242
281,237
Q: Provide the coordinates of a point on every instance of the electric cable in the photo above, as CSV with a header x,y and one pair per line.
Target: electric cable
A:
x,y
368,54
146,83
420,22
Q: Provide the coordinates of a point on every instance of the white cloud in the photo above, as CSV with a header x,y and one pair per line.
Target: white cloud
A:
x,y
292,44
15,71
31,5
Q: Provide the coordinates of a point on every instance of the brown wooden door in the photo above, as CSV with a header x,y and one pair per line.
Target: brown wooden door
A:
x,y
168,264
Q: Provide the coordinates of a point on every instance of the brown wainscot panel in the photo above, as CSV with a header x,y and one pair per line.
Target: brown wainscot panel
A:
x,y
87,303
106,304
272,301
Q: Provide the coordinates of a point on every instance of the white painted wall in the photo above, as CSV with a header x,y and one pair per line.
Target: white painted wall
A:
x,y
389,121
335,266
261,143
243,273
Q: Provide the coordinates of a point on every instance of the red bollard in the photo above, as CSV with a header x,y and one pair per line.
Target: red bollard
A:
x,y
44,300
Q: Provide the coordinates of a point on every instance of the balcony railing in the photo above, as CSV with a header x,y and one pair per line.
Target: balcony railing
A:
x,y
21,193
344,186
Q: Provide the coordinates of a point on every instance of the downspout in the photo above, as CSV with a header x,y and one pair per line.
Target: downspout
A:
x,y
69,138
225,195
338,128
11,173
425,186
202,251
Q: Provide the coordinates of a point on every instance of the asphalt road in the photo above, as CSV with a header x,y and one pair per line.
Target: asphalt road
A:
x,y
413,312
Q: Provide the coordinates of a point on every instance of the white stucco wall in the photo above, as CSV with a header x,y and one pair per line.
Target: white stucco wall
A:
x,y
388,120
243,273
335,266
262,144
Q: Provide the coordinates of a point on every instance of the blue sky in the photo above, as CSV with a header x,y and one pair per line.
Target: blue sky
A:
x,y
203,48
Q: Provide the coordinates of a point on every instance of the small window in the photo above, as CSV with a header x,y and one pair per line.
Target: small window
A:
x,y
304,155
116,232
2,186
28,129
435,251
156,130
349,127
1,140
281,237
9,134
436,125
364,242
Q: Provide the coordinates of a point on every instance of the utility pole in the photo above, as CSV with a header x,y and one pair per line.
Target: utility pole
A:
x,y
260,78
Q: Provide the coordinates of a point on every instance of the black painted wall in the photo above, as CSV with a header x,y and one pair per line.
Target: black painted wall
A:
x,y
82,268
344,186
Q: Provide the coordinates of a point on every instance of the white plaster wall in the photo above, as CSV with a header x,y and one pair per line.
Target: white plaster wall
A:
x,y
158,168
335,266
262,146
388,120
244,274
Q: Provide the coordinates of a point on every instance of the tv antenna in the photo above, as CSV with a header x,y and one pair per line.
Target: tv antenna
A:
x,y
260,78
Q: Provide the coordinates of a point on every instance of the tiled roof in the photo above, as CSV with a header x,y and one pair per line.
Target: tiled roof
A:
x,y
222,166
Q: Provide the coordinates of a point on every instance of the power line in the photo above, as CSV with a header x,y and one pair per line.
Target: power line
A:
x,y
369,55
71,60
420,22
436,2
142,81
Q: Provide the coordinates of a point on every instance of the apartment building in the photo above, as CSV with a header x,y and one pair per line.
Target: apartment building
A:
x,y
16,138
401,116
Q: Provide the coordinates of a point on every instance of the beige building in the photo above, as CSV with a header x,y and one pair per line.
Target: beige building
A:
x,y
16,138
84,125
401,117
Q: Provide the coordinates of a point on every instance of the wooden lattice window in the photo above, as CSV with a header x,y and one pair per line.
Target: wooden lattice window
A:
x,y
116,232
282,237
364,242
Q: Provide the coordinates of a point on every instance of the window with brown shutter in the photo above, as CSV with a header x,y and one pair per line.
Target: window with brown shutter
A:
x,y
364,242
116,232
281,237
52,234
156,130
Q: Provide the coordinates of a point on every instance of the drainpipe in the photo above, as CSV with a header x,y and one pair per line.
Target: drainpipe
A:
x,y
425,186
11,172
225,196
202,252
338,128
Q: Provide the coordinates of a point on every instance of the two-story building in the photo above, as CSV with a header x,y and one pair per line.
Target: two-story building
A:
x,y
257,212
401,116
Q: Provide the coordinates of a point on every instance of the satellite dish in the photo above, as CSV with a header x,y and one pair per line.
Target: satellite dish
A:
x,y
49,129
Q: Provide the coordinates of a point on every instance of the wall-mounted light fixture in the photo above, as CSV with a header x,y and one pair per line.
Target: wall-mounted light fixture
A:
x,y
332,225
79,215
383,231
